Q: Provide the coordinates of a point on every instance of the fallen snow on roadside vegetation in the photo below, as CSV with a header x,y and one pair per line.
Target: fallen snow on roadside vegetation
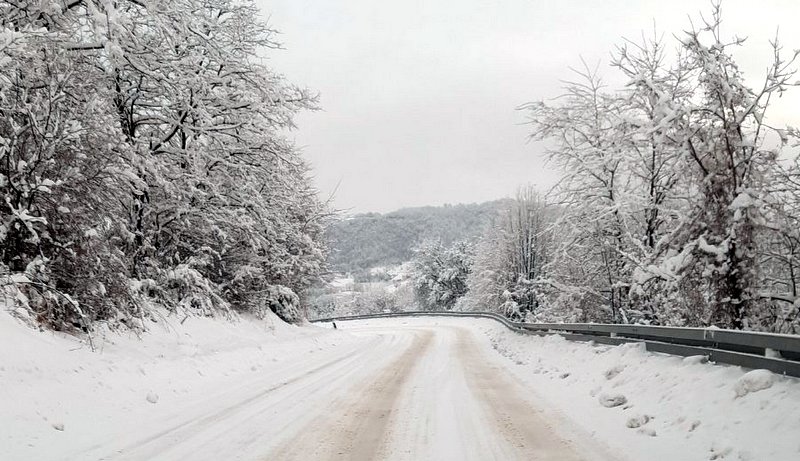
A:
x,y
57,396
655,406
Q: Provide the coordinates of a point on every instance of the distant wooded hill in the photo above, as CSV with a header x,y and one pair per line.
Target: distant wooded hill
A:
x,y
368,240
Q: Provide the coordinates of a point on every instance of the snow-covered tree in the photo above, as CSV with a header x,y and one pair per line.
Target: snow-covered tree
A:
x,y
675,194
439,273
721,130
590,149
511,260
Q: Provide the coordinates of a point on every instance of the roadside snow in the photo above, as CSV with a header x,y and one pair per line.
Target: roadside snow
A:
x,y
60,400
754,381
655,406
57,396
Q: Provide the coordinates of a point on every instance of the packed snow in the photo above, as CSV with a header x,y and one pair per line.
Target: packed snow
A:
x,y
205,387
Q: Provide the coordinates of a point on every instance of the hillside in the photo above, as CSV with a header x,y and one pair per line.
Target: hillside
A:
x,y
362,241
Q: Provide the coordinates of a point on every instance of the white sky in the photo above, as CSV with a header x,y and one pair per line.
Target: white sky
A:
x,y
419,97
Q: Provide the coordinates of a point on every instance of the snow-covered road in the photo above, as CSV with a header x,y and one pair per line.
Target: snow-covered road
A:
x,y
428,392
400,390
402,393
396,389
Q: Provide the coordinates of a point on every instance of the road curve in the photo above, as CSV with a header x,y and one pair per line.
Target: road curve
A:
x,y
405,391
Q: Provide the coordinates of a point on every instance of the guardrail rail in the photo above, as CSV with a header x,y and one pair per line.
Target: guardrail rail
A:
x,y
775,352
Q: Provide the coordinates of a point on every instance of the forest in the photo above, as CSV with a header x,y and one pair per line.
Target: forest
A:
x,y
363,241
677,203
145,164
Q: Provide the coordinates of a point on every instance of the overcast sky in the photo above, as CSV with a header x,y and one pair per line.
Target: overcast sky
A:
x,y
419,97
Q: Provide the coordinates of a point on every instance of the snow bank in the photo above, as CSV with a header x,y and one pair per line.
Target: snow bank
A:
x,y
58,396
655,406
754,381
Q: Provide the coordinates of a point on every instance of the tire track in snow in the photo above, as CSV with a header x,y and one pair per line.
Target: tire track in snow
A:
x,y
357,426
522,425
438,417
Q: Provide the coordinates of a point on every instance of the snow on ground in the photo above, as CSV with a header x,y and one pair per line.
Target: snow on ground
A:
x,y
438,392
207,387
57,395
656,406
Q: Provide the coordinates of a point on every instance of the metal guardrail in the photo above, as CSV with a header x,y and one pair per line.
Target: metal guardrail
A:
x,y
775,352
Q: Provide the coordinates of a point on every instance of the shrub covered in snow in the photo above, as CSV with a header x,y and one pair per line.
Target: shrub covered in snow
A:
x,y
439,274
284,302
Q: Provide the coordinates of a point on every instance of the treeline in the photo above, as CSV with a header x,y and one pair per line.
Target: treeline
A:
x,y
370,240
678,203
143,163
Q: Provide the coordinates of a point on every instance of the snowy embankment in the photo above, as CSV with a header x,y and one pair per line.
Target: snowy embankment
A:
x,y
58,398
655,406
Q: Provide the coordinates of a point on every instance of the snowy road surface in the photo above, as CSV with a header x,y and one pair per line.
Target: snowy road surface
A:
x,y
427,392
405,393
398,390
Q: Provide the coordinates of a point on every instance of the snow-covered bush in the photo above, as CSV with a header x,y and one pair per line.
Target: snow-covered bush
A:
x,y
284,303
440,274
192,293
